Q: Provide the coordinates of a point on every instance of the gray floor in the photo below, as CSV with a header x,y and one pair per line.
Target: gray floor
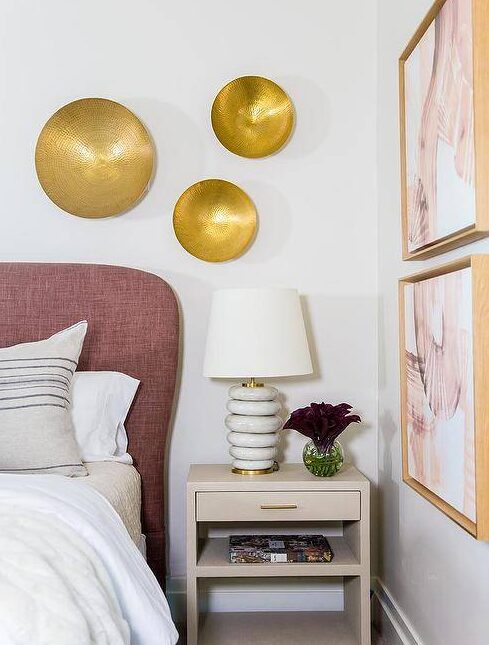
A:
x,y
376,639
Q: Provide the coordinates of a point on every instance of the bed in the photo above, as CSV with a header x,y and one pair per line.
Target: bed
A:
x,y
133,328
120,484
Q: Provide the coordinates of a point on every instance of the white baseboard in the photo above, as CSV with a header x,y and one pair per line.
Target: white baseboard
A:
x,y
258,595
393,624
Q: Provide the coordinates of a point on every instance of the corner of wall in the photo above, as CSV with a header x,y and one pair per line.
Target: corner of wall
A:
x,y
389,620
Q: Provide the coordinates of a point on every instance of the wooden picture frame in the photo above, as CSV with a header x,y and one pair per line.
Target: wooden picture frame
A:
x,y
475,419
439,189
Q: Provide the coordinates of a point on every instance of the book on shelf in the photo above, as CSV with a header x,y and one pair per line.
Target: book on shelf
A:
x,y
252,549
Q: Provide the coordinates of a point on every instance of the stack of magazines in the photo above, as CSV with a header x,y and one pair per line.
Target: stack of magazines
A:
x,y
251,549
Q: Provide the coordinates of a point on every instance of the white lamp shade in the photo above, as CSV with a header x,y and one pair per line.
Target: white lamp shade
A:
x,y
256,333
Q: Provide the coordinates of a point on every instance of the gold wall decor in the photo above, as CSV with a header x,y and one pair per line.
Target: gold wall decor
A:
x,y
252,116
94,158
214,220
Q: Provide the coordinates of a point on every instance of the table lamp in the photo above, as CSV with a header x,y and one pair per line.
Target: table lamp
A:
x,y
253,334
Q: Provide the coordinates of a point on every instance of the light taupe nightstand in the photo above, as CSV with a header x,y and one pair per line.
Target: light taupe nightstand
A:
x,y
292,494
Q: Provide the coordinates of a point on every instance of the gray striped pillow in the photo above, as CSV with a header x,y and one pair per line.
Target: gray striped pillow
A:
x,y
36,433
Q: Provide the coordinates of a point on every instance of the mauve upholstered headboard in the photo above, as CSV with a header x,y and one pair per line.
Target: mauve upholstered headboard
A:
x,y
132,328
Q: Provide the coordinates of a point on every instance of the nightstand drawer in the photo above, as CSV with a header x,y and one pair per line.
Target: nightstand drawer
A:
x,y
269,506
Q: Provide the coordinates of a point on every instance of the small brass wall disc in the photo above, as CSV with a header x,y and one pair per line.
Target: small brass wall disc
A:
x,y
252,116
94,158
214,220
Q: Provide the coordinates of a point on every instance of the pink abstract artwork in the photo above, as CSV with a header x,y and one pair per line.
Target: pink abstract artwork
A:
x,y
439,129
439,389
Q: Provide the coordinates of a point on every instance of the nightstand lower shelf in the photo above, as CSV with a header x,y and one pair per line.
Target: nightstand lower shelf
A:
x,y
214,562
276,628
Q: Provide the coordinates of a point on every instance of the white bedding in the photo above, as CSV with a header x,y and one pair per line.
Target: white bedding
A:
x,y
70,573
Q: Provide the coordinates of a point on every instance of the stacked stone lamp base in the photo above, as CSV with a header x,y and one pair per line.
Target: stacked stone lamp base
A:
x,y
253,423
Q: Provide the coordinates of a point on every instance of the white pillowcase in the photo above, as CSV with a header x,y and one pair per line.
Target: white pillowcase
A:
x,y
100,403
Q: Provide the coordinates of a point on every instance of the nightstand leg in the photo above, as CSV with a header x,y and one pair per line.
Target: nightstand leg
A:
x,y
192,612
357,607
192,583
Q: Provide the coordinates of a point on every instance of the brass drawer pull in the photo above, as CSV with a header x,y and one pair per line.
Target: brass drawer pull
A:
x,y
277,507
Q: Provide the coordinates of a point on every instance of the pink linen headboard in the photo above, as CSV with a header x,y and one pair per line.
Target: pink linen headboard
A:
x,y
133,327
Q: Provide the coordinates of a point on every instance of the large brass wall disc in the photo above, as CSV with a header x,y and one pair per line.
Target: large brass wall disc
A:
x,y
252,116
94,158
214,220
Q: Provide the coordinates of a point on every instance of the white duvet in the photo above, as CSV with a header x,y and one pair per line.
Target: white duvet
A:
x,y
69,572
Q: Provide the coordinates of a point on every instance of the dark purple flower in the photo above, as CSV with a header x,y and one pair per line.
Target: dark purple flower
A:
x,y
322,422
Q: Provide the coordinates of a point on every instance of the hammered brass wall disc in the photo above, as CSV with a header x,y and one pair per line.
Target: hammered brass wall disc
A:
x,y
252,116
94,158
214,220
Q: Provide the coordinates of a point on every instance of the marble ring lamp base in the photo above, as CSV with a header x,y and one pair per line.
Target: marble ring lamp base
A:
x,y
253,423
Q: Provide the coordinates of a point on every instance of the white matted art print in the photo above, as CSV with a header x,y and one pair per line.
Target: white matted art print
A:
x,y
443,98
440,388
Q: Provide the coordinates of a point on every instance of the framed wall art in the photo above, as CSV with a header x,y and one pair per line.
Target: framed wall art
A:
x,y
444,356
444,122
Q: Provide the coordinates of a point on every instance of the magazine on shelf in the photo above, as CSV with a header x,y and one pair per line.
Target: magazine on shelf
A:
x,y
252,549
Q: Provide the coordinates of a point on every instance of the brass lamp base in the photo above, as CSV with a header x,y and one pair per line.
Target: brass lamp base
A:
x,y
252,383
264,471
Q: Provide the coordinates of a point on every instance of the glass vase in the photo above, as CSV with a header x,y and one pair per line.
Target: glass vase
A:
x,y
323,464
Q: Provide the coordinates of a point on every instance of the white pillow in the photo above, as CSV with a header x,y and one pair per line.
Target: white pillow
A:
x,y
100,403
36,434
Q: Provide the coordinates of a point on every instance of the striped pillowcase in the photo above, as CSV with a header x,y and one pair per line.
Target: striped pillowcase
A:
x,y
36,433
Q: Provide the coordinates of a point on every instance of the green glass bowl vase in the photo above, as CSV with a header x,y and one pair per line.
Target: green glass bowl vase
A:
x,y
323,464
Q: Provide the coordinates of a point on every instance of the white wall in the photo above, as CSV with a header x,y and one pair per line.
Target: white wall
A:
x,y
316,199
435,572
